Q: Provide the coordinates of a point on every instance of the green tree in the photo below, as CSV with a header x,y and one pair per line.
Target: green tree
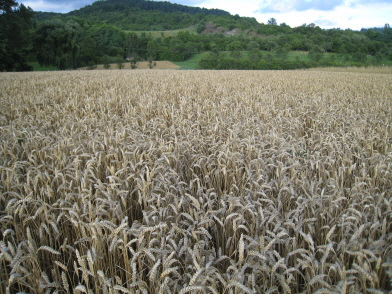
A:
x,y
270,45
234,46
16,23
253,45
133,63
255,55
316,53
389,55
282,52
106,62
57,43
272,21
268,57
132,44
236,54
98,40
200,28
378,57
151,62
6,6
88,50
120,62
297,42
152,49
209,61
359,57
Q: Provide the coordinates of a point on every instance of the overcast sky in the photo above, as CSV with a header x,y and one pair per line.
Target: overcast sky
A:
x,y
352,14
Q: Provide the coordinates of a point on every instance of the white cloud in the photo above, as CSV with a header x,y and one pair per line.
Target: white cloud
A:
x,y
298,5
277,6
56,5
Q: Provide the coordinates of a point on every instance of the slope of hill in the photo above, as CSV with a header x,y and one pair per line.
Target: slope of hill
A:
x,y
143,15
138,5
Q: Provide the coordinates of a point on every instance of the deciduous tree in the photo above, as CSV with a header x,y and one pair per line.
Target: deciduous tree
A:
x,y
57,43
16,22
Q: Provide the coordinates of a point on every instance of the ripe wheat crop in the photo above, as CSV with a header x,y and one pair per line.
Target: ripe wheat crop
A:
x,y
196,182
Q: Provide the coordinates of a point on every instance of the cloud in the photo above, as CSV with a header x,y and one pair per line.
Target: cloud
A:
x,y
373,1
268,6
56,5
325,23
343,16
298,5
318,5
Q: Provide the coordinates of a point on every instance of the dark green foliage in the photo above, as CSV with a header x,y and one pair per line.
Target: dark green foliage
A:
x,y
141,15
234,46
16,24
255,56
106,62
282,52
359,56
210,61
201,27
151,62
58,43
104,40
152,49
272,21
133,64
390,55
91,66
269,57
222,61
316,53
6,6
137,5
120,62
13,62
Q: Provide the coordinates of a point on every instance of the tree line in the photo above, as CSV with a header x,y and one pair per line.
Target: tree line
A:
x,y
73,40
16,35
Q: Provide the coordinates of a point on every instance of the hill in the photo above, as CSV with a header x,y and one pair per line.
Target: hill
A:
x,y
142,15
143,5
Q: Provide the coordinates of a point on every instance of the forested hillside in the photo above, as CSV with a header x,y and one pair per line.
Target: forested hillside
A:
x,y
115,30
142,15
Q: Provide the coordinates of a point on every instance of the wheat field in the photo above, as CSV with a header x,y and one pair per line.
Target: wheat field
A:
x,y
170,181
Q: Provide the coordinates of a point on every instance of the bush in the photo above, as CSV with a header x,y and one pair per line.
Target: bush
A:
x,y
359,56
120,62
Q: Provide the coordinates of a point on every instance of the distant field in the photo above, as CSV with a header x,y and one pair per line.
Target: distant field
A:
x,y
168,33
190,63
168,181
141,65
37,67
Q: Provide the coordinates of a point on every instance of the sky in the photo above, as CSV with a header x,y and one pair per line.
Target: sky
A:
x,y
327,14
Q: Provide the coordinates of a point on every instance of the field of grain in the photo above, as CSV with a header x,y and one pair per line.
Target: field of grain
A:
x,y
171,181
356,69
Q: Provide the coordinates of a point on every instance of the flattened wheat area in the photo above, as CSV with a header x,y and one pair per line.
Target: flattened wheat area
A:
x,y
167,181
